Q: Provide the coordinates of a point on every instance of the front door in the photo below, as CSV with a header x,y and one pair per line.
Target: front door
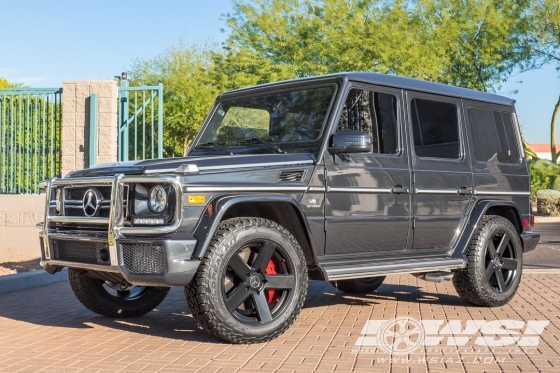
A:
x,y
441,167
367,203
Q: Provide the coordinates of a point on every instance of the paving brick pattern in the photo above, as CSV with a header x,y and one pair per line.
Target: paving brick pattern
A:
x,y
47,329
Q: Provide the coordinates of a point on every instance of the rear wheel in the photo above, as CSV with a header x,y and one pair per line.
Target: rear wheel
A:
x,y
251,283
115,300
359,285
495,259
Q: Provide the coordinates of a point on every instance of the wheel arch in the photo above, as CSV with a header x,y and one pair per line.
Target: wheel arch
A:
x,y
279,208
504,208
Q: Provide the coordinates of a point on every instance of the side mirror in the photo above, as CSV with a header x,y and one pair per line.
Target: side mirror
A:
x,y
350,141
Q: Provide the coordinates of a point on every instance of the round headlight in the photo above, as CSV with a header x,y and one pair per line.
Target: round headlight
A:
x,y
158,199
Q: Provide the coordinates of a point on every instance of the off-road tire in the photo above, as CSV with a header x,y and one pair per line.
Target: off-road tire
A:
x,y
472,283
92,294
205,293
359,285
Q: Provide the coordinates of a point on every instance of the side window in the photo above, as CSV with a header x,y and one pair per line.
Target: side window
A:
x,y
494,135
372,112
436,128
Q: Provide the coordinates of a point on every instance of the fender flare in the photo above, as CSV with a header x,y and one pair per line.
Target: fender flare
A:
x,y
221,204
478,211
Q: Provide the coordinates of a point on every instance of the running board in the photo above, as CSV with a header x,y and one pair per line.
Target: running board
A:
x,y
378,269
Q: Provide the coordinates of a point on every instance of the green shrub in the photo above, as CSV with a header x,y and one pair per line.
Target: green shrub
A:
x,y
548,202
544,175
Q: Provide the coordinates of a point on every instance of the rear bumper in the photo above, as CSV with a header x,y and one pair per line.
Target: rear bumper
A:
x,y
530,240
175,266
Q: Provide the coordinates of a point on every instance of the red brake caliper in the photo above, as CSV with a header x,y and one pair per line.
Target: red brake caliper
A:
x,y
271,294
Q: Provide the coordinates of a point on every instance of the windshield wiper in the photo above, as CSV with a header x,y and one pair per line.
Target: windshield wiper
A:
x,y
215,145
265,143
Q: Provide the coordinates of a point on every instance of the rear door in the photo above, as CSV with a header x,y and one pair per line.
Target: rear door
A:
x,y
441,169
367,204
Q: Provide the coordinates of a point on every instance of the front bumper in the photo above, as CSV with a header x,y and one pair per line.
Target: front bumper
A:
x,y
146,256
177,268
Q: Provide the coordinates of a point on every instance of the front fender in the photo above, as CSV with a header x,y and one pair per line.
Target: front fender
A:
x,y
219,206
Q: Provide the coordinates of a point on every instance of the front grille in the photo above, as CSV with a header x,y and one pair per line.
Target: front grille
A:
x,y
143,258
79,193
74,196
73,201
81,251
78,211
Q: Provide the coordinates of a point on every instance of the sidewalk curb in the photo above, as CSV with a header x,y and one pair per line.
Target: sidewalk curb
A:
x,y
27,280
541,271
547,219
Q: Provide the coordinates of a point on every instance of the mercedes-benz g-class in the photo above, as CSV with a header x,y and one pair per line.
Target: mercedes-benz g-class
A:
x,y
343,178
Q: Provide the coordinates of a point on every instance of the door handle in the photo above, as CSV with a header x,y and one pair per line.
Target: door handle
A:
x,y
398,189
464,191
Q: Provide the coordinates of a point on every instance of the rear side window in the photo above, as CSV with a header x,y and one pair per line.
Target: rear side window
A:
x,y
435,126
494,136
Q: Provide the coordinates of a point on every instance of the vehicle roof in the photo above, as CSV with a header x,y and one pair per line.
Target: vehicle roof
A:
x,y
398,82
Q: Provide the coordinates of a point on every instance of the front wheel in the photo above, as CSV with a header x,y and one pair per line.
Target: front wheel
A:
x,y
251,283
495,259
112,299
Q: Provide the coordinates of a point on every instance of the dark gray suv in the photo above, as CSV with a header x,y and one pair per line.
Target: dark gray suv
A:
x,y
343,178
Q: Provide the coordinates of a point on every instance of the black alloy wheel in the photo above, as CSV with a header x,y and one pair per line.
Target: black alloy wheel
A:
x,y
251,283
494,264
258,282
501,262
124,291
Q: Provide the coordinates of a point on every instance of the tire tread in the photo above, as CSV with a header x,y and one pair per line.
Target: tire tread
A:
x,y
196,293
82,286
468,284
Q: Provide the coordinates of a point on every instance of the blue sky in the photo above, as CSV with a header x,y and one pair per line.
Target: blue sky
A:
x,y
47,42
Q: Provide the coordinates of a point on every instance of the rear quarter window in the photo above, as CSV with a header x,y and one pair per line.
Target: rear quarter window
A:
x,y
494,135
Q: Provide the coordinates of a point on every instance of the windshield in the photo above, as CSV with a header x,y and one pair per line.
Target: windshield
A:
x,y
284,122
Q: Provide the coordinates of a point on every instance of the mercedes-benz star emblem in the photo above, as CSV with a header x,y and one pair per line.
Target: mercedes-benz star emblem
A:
x,y
254,281
91,202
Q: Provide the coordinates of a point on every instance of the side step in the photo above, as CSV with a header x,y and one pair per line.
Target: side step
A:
x,y
378,269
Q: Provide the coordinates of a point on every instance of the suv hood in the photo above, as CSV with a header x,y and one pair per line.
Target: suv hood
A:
x,y
204,164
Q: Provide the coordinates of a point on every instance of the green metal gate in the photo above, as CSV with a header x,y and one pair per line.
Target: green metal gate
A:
x,y
140,110
30,133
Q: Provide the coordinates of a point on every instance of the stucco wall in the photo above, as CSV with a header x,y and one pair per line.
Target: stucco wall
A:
x,y
19,239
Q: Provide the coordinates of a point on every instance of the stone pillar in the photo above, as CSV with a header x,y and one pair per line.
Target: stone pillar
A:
x,y
75,123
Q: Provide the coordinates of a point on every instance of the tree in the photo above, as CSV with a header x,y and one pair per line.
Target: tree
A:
x,y
235,68
547,45
6,84
470,43
188,91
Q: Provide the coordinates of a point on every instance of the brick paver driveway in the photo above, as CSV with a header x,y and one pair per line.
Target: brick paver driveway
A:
x,y
46,329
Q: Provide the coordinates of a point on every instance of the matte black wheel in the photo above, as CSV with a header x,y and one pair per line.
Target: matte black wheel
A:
x,y
251,283
495,260
359,285
114,300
